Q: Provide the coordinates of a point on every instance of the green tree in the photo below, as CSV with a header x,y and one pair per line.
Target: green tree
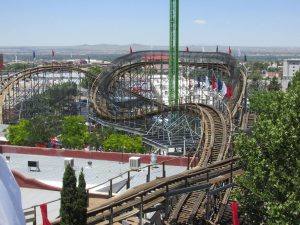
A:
x,y
68,199
255,83
99,135
123,142
295,81
274,85
43,127
87,81
270,159
81,201
19,134
74,132
16,67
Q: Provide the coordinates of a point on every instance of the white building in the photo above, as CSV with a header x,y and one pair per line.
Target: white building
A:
x,y
290,67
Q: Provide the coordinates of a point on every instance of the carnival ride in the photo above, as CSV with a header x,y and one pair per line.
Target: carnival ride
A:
x,y
132,95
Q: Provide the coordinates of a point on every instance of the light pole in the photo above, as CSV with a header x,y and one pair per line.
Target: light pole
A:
x,y
184,150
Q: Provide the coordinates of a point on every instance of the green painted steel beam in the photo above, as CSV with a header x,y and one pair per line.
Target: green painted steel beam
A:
x,y
174,54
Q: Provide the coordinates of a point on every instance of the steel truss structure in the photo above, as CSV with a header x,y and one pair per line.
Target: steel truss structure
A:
x,y
133,93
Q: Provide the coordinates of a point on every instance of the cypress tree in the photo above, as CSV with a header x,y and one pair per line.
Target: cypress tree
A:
x,y
81,201
67,211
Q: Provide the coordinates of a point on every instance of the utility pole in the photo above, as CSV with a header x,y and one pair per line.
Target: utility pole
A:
x,y
174,53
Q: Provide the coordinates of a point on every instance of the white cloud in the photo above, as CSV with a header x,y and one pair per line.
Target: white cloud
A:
x,y
200,21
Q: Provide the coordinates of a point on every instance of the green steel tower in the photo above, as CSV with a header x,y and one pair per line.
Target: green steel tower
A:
x,y
174,53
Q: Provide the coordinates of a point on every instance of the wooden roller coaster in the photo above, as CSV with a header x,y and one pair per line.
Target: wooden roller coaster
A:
x,y
210,181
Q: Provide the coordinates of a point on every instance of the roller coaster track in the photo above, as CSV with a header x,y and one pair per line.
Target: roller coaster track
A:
x,y
153,192
214,169
10,82
213,149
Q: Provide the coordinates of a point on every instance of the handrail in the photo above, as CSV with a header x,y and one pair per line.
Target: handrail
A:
x,y
120,175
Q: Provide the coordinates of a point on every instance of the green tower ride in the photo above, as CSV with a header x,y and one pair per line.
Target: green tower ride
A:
x,y
174,54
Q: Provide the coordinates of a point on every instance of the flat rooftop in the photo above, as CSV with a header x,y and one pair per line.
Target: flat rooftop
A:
x,y
52,169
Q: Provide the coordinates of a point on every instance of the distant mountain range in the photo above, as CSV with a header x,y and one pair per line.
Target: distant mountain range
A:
x,y
124,49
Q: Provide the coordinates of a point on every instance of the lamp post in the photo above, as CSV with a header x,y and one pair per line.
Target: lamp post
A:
x,y
123,147
184,149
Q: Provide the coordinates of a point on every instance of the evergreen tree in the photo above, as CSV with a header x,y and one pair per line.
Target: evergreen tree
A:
x,y
274,85
81,201
67,209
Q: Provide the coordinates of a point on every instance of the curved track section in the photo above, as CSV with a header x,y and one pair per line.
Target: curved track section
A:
x,y
212,148
14,89
131,95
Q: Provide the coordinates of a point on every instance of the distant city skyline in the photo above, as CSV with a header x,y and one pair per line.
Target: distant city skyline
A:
x,y
214,22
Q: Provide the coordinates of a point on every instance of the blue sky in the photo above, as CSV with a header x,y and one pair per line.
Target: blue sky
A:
x,y
202,22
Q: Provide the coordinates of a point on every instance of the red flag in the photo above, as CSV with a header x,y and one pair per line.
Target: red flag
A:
x,y
1,61
130,50
234,211
228,92
44,214
229,50
52,53
214,83
187,49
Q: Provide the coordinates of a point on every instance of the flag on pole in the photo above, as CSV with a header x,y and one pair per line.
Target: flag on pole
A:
x,y
220,85
217,49
52,53
234,213
224,89
187,49
206,82
130,50
228,92
44,214
1,61
229,50
214,83
33,55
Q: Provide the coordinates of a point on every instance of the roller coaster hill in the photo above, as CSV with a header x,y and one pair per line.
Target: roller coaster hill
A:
x,y
131,95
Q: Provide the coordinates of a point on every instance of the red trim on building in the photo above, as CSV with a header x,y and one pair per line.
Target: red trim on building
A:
x,y
110,156
26,182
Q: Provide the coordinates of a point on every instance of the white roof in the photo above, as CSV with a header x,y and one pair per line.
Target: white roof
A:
x,y
52,169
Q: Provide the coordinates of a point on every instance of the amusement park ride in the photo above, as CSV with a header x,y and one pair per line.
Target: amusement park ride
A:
x,y
176,101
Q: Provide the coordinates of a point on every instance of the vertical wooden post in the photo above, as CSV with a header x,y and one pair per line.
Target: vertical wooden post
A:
x,y
34,222
128,180
207,196
110,189
111,217
141,210
148,175
164,170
